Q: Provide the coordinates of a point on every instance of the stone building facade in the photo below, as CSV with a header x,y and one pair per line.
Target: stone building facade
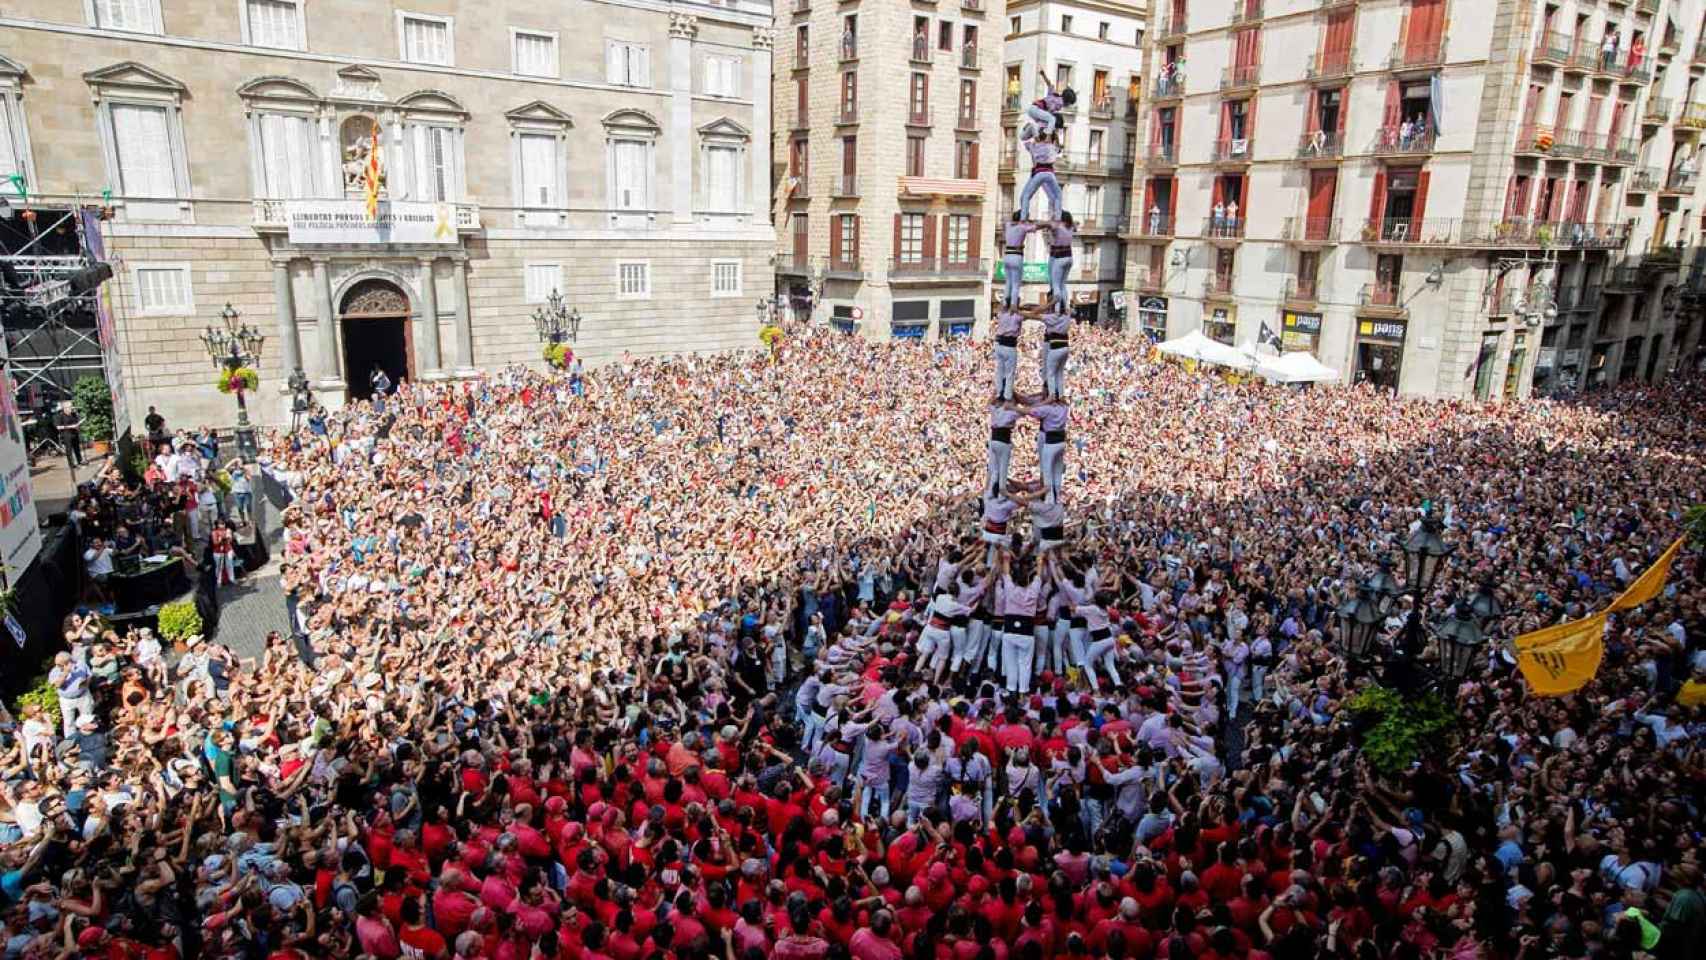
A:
x,y
614,151
1096,48
886,153
1436,196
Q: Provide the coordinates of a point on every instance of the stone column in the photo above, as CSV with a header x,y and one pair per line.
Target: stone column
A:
x,y
284,301
433,368
758,151
464,324
682,28
326,329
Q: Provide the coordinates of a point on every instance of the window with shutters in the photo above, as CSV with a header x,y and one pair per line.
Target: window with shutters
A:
x,y
1065,24
288,157
627,64
273,23
539,160
14,156
722,76
722,177
915,156
631,170
845,237
911,237
849,95
968,103
918,99
965,159
426,39
802,45
633,280
434,172
142,140
162,288
725,278
540,280
959,237
535,53
138,16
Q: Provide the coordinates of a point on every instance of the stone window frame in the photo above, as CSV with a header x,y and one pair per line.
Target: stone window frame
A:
x,y
288,96
12,75
156,27
536,118
301,26
724,132
129,82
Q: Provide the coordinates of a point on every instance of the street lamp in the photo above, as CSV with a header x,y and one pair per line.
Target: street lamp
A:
x,y
556,321
1458,637
235,347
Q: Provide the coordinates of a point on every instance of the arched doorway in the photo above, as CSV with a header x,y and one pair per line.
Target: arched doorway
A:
x,y
375,321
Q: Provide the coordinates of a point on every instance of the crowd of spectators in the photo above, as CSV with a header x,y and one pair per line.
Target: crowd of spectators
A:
x,y
630,671
184,498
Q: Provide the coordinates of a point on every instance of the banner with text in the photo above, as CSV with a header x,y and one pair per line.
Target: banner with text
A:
x,y
346,221
20,531
106,329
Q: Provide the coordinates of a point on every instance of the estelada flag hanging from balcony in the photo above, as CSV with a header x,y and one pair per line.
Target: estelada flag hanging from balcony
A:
x,y
370,175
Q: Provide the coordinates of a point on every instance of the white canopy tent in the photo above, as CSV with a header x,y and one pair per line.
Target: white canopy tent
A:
x,y
1196,346
1296,367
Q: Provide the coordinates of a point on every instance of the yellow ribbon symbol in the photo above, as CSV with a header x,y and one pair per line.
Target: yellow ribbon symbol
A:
x,y
442,229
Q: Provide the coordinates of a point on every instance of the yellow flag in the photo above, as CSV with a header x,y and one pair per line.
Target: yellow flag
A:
x,y
1561,658
1649,583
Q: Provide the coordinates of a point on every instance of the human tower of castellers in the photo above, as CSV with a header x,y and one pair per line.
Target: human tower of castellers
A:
x,y
1024,608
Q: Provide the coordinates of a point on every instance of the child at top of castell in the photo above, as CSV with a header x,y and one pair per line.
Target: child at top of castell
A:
x,y
1046,108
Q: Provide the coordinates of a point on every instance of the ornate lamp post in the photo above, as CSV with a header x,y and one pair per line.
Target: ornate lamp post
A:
x,y
1459,635
233,348
556,321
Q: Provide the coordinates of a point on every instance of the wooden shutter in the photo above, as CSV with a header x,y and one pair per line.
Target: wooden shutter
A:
x,y
800,100
972,174
854,256
897,236
1419,211
974,239
1344,111
929,243
1250,119
1225,123
1312,114
1377,199
1394,107
835,238
1321,188
1341,27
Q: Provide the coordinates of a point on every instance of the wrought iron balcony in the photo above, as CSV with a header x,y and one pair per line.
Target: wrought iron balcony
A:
x,y
1217,286
1553,47
938,268
846,266
1172,26
1161,154
1226,228
1331,64
1241,77
1154,226
1679,183
1321,145
1245,12
1300,290
1411,231
1417,140
1417,55
1382,298
1235,150
1657,111
1310,231
1645,180
1168,87
1693,116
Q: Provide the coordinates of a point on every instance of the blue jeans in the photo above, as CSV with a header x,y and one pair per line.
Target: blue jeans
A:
x,y
1046,182
244,502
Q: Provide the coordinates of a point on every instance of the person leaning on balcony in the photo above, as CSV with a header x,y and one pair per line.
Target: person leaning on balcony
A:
x,y
921,43
1637,51
1013,89
1608,49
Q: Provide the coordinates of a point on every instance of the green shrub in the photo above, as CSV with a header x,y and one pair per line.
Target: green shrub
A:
x,y
179,620
94,404
44,693
1401,731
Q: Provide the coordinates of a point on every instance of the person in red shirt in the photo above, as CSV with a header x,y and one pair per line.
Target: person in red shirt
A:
x,y
417,939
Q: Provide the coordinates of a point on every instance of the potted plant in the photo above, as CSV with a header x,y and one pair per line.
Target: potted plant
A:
x,y
94,404
178,621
